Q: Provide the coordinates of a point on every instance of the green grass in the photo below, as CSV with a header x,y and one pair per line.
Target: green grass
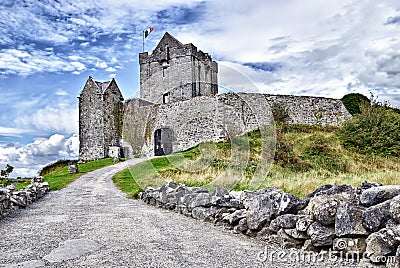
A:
x,y
60,177
306,158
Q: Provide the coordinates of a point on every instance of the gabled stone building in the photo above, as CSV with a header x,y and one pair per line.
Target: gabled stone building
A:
x,y
100,119
179,107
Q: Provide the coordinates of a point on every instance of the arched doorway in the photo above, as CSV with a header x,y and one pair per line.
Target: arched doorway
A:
x,y
163,141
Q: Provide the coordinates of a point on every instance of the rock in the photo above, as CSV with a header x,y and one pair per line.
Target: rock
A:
x,y
375,217
38,179
350,246
287,221
265,205
325,212
395,209
366,185
303,223
73,168
251,233
287,241
204,214
383,243
377,195
234,218
222,198
348,221
341,192
296,234
192,200
241,227
321,235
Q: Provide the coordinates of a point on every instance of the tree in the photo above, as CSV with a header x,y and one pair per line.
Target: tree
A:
x,y
373,131
6,171
353,102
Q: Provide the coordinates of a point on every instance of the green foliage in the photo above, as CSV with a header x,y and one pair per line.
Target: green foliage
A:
x,y
6,171
353,102
376,130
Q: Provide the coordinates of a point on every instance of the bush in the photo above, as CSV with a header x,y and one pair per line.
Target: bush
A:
x,y
353,102
374,131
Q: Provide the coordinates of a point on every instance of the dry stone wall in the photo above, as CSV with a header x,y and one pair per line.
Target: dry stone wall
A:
x,y
12,199
360,223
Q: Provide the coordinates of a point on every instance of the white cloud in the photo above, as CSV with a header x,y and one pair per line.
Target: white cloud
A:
x,y
60,92
29,159
111,69
15,132
51,119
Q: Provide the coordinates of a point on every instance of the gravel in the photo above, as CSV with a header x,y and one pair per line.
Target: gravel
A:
x,y
92,224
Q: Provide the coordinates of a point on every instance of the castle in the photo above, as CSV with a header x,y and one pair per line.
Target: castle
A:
x,y
179,107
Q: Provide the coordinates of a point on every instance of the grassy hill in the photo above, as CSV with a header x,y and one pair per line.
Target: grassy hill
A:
x,y
305,158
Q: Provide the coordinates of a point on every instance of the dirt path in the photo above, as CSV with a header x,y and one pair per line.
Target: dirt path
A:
x,y
91,224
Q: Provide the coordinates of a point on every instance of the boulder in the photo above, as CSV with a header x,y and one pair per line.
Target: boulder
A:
x,y
383,243
287,221
395,209
296,234
321,235
234,218
325,212
241,227
377,195
265,205
204,214
375,217
348,221
366,185
287,241
340,192
303,223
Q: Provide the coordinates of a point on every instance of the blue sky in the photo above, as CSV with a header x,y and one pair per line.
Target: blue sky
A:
x,y
48,49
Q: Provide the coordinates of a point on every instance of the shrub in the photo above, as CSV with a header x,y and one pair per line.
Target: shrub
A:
x,y
374,131
353,102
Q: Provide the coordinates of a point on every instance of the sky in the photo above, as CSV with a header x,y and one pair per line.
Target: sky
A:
x,y
49,48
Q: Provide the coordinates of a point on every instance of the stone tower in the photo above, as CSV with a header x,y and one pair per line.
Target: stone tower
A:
x,y
100,119
175,71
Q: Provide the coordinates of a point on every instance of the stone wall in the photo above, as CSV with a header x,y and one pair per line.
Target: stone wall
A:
x,y
215,118
12,199
360,223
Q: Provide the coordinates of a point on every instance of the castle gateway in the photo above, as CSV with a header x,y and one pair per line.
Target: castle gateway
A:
x,y
179,107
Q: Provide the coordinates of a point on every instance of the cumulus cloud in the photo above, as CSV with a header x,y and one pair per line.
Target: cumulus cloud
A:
x,y
51,119
320,48
30,158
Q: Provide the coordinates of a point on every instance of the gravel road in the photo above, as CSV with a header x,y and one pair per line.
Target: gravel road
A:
x,y
92,224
